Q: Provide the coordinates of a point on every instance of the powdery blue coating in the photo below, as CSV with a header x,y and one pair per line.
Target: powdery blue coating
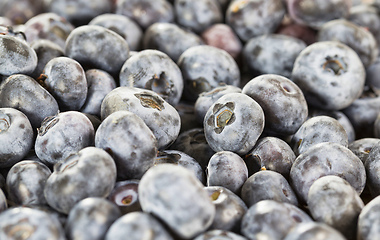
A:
x,y
270,153
317,12
267,185
317,130
130,142
197,15
36,224
25,94
170,39
229,209
207,99
161,117
282,101
137,226
99,84
182,159
49,26
314,230
155,71
358,38
97,47
342,119
254,17
369,220
78,12
272,53
25,183
330,74
362,147
325,159
3,201
46,50
206,67
372,167
66,81
219,234
173,194
269,219
90,172
16,136
122,25
146,12
227,169
62,135
234,123
332,200
16,56
91,218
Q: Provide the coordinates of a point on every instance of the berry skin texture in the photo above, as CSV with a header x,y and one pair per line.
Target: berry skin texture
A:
x,y
234,123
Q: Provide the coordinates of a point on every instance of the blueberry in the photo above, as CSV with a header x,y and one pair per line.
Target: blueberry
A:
x,y
227,169
153,70
90,172
137,225
366,15
372,168
197,15
253,18
330,74
358,38
270,153
272,54
207,99
282,101
97,47
219,234
125,195
20,11
300,31
46,50
25,183
362,147
234,123
23,93
269,219
79,12
99,84
91,218
316,13
122,25
3,201
28,223
314,230
62,135
50,26
229,209
267,185
222,36
146,12
325,159
193,143
368,219
363,111
206,67
129,141
17,56
174,195
189,120
170,39
182,159
342,119
332,200
317,130
376,127
161,117
16,136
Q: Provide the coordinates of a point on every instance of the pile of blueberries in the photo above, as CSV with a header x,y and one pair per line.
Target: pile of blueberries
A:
x,y
189,119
